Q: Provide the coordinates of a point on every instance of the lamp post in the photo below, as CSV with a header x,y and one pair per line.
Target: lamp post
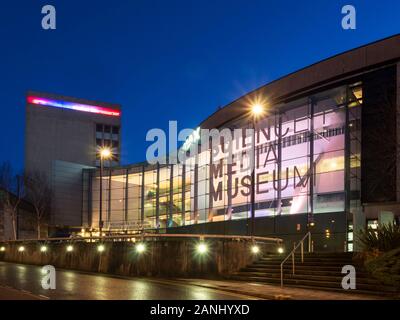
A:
x,y
105,153
257,110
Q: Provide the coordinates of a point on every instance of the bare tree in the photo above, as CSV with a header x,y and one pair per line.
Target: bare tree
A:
x,y
12,192
39,195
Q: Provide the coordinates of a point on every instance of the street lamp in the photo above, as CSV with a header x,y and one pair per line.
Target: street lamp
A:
x,y
105,153
257,110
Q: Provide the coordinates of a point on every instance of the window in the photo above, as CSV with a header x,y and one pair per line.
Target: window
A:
x,y
115,130
373,224
107,136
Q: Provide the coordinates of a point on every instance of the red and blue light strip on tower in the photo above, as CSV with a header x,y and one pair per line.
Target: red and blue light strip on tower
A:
x,y
73,106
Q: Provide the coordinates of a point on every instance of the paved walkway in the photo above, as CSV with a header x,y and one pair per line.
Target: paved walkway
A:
x,y
8,293
272,292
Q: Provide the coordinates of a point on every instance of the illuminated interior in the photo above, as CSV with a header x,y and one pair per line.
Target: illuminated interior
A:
x,y
311,148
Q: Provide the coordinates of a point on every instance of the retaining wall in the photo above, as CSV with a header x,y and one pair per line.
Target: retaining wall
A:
x,y
162,258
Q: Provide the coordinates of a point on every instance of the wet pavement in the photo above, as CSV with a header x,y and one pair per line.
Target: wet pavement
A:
x,y
275,292
24,281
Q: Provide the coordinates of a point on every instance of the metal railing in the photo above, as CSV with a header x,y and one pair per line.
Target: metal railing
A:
x,y
291,254
142,236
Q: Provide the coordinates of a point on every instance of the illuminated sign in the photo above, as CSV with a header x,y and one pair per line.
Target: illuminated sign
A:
x,y
73,106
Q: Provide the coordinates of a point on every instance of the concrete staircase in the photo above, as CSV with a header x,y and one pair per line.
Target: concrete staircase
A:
x,y
319,271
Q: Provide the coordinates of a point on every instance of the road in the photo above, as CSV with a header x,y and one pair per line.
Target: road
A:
x,y
26,279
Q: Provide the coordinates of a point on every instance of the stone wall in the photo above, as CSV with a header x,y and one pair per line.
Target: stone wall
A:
x,y
165,258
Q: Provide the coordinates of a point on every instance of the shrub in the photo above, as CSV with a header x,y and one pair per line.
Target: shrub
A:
x,y
383,239
386,268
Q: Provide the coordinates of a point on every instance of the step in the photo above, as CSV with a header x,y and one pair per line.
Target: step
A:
x,y
302,271
298,276
304,267
308,263
314,284
319,261
297,257
306,254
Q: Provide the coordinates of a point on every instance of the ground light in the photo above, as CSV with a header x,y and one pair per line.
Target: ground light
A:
x,y
255,249
70,248
100,248
21,249
43,249
281,250
201,248
2,249
140,248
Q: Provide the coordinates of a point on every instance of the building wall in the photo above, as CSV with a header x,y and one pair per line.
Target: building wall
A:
x,y
66,182
61,142
379,138
61,134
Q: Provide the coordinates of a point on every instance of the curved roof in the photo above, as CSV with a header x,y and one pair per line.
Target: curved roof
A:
x,y
322,73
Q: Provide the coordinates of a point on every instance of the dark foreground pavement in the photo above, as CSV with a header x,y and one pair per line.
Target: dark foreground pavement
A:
x,y
19,281
8,293
23,282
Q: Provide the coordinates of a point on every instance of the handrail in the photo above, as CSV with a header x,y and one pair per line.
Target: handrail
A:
x,y
301,244
150,235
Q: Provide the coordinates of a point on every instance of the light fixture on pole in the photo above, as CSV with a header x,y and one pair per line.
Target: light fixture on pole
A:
x,y
257,110
105,153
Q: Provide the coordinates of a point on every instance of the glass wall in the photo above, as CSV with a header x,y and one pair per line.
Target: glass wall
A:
x,y
307,161
134,194
150,197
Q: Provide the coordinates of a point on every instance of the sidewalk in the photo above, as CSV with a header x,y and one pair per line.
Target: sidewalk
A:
x,y
272,292
7,293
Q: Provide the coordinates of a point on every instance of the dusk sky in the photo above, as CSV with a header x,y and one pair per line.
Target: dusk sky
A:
x,y
167,60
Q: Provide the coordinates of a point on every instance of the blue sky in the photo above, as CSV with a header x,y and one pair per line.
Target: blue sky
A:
x,y
167,60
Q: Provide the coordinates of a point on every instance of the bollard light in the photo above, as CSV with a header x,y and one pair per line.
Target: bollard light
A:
x,y
43,249
140,248
2,249
281,250
201,248
255,249
21,249
100,248
70,248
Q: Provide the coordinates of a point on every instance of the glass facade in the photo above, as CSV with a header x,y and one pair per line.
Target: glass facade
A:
x,y
307,161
